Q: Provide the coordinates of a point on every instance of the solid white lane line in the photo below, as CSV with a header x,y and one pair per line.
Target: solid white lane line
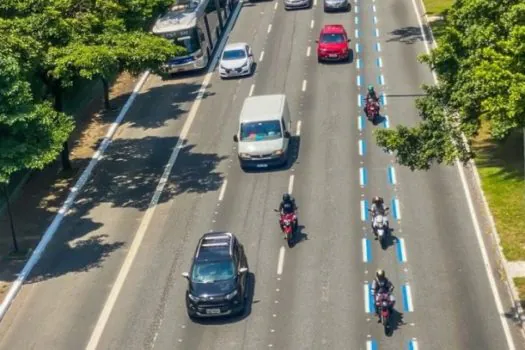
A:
x,y
280,263
290,183
304,86
74,191
308,51
251,90
275,6
223,190
148,216
261,56
269,28
298,130
473,215
312,23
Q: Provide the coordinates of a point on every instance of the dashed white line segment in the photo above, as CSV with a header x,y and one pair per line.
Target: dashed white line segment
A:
x,y
223,190
269,28
280,262
304,86
251,90
261,56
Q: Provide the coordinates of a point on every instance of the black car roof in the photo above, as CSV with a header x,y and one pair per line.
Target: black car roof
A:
x,y
215,246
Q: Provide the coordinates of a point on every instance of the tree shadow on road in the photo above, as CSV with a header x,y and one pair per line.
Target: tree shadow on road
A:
x,y
121,186
410,35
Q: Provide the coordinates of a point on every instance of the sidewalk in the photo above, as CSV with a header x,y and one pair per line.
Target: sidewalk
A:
x,y
39,199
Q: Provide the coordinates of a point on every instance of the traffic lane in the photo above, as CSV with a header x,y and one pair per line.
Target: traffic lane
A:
x,y
87,250
198,177
320,306
378,176
247,210
446,180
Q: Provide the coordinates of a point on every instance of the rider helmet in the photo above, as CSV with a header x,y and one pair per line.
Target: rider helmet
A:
x,y
370,88
376,199
286,197
380,274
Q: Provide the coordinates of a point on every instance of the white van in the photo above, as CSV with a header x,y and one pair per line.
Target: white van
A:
x,y
264,132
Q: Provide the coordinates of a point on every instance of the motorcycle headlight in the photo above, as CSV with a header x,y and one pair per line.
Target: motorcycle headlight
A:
x,y
231,295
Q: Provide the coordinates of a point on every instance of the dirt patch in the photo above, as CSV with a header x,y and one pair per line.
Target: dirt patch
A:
x,y
35,206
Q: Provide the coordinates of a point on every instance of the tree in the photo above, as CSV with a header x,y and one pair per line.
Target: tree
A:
x,y
31,134
88,39
480,65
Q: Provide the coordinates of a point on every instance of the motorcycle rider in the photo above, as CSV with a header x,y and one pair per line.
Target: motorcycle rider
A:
x,y
371,97
377,207
380,285
288,206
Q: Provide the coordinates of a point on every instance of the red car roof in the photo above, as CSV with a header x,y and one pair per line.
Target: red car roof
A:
x,y
333,28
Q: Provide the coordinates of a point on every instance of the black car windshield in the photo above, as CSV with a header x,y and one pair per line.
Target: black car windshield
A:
x,y
208,272
332,38
261,131
233,54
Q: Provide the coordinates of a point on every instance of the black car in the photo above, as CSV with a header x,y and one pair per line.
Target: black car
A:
x,y
217,281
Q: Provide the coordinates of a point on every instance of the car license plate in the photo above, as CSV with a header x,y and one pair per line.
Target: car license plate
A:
x,y
213,311
262,165
332,55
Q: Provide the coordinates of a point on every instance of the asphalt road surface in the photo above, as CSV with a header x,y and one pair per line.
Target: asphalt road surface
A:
x,y
311,296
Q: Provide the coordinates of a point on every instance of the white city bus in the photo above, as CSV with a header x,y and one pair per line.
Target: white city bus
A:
x,y
197,26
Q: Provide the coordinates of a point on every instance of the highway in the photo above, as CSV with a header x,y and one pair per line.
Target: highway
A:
x,y
314,295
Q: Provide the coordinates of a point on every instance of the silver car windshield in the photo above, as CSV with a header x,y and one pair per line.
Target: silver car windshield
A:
x,y
233,55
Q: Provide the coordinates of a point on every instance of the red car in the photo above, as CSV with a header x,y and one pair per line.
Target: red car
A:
x,y
333,44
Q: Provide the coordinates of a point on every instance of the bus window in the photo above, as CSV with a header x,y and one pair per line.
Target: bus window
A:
x,y
190,42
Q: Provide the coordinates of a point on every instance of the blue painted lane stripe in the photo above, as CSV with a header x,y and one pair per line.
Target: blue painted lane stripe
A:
x,y
362,176
356,20
396,211
359,100
412,344
378,47
364,210
357,33
356,9
367,250
358,63
376,31
375,19
407,298
369,299
401,250
362,147
378,62
360,123
371,345
391,173
381,80
357,48
358,78
386,122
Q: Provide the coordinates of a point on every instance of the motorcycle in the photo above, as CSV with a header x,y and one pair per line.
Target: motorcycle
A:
x,y
372,110
288,223
383,303
380,225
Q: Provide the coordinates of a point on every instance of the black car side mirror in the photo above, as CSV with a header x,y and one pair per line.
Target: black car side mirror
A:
x,y
317,41
287,134
235,138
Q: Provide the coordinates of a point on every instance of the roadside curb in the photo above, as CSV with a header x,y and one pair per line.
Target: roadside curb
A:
x,y
500,258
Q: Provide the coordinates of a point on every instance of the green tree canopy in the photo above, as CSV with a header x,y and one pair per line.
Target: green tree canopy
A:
x,y
480,61
31,135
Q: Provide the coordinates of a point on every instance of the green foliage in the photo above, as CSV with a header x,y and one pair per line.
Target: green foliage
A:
x,y
31,135
480,63
52,43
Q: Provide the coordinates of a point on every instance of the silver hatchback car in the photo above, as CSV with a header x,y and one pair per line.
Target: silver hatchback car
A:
x,y
297,4
336,5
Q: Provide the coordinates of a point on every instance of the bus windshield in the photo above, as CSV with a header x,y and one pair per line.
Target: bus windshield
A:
x,y
190,41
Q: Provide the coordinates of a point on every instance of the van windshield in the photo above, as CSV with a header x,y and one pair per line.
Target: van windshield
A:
x,y
261,131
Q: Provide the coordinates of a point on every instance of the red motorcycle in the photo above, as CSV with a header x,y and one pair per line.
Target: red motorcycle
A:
x,y
383,304
288,223
372,109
